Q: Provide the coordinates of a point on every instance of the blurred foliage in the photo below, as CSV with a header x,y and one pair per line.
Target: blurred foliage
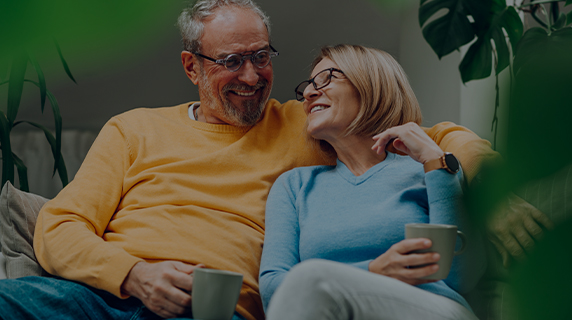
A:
x,y
538,147
30,28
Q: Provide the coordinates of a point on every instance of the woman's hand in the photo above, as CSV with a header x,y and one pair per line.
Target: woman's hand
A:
x,y
396,261
410,139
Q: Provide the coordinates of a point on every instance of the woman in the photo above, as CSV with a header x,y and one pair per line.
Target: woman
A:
x,y
354,213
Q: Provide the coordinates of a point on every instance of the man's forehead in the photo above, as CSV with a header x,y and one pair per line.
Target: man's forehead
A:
x,y
234,30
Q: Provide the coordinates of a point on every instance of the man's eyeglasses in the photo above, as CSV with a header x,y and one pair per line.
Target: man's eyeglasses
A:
x,y
321,80
234,61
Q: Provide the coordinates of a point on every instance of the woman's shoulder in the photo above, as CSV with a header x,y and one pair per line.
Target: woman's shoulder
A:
x,y
304,173
296,178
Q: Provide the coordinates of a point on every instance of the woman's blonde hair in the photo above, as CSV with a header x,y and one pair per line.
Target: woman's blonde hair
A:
x,y
386,98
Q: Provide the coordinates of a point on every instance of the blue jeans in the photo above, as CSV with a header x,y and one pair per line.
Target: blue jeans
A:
x,y
33,298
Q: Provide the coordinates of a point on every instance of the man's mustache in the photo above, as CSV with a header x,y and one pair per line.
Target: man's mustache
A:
x,y
242,87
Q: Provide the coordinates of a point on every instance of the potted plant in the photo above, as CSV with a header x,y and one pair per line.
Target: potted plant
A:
x,y
496,32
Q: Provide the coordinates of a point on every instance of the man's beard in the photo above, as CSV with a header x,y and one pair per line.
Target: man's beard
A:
x,y
249,111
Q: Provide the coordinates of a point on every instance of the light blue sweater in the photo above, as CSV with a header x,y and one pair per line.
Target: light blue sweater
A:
x,y
326,212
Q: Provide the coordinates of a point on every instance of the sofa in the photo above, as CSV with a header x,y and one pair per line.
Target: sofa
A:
x,y
492,298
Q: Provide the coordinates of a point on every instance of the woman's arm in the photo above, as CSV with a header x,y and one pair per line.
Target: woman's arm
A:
x,y
282,237
444,197
446,207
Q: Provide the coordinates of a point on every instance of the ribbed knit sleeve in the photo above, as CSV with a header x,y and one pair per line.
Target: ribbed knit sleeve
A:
x,y
444,195
281,243
68,238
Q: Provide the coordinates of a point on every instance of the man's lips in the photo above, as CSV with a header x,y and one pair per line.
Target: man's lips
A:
x,y
244,93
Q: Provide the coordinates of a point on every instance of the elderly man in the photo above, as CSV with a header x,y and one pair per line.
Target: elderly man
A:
x,y
163,191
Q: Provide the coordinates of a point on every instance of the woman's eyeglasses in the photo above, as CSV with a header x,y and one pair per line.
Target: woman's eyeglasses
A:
x,y
234,61
321,80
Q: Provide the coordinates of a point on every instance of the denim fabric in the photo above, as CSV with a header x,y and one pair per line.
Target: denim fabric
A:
x,y
33,298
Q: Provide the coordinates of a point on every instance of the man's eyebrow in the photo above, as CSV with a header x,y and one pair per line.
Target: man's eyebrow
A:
x,y
226,54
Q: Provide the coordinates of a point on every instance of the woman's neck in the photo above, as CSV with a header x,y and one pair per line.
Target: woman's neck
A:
x,y
355,152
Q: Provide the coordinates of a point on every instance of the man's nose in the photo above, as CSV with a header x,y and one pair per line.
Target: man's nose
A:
x,y
248,73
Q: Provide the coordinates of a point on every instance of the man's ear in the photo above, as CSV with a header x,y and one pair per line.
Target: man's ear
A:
x,y
191,66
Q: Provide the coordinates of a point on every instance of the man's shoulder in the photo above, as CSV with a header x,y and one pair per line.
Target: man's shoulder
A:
x,y
288,108
139,114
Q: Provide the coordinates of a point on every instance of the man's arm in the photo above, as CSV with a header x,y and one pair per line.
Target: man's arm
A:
x,y
68,239
69,236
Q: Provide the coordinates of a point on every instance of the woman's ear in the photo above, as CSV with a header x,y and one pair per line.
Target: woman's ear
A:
x,y
191,66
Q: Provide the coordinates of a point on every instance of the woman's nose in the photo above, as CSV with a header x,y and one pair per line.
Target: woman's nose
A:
x,y
310,92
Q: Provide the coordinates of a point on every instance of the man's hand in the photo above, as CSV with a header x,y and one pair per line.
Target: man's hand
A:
x,y
395,262
163,287
514,228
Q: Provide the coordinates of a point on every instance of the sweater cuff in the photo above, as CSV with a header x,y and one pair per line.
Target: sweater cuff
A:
x,y
114,273
363,264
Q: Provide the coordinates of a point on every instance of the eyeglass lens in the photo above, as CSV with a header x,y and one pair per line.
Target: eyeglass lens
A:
x,y
319,81
260,59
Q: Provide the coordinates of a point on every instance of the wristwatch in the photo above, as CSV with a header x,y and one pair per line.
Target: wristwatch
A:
x,y
447,161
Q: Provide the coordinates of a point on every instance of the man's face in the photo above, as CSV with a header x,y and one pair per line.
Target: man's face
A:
x,y
235,98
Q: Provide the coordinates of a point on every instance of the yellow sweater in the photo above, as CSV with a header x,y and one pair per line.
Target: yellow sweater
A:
x,y
159,186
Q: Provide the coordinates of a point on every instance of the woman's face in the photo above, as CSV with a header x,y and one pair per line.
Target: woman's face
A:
x,y
331,109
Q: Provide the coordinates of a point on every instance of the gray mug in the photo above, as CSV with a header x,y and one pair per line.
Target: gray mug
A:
x,y
443,238
215,293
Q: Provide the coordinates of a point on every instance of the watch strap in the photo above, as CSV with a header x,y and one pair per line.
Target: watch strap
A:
x,y
439,163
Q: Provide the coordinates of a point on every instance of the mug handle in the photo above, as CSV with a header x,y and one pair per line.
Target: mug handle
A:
x,y
463,243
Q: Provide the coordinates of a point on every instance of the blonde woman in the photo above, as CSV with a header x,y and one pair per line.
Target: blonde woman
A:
x,y
334,245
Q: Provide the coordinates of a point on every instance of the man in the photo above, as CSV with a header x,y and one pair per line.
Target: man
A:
x,y
163,191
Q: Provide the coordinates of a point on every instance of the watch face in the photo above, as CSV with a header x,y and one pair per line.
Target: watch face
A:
x,y
452,162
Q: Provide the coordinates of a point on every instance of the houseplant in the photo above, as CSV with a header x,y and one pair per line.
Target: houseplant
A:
x,y
90,32
16,79
496,32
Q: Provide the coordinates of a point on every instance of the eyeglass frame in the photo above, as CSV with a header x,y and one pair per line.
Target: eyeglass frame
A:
x,y
243,56
313,82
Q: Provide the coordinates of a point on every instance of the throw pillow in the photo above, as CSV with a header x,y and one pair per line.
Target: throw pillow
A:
x,y
18,213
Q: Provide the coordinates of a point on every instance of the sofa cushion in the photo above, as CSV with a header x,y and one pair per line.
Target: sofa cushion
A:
x,y
18,213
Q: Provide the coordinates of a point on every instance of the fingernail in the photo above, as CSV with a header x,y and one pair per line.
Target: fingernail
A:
x,y
436,256
427,243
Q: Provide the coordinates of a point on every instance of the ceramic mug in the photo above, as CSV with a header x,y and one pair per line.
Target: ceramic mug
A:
x,y
215,293
443,238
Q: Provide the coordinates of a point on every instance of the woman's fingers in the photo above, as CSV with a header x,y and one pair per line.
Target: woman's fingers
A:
x,y
411,139
408,245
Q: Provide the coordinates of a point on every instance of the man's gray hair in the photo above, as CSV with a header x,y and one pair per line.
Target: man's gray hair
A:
x,y
191,19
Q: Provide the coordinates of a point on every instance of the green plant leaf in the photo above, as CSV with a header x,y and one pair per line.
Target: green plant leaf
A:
x,y
478,61
17,73
41,81
60,165
7,160
536,42
22,173
569,18
568,2
448,33
561,22
58,125
65,64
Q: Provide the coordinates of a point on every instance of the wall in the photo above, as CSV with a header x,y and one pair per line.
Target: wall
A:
x,y
147,72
